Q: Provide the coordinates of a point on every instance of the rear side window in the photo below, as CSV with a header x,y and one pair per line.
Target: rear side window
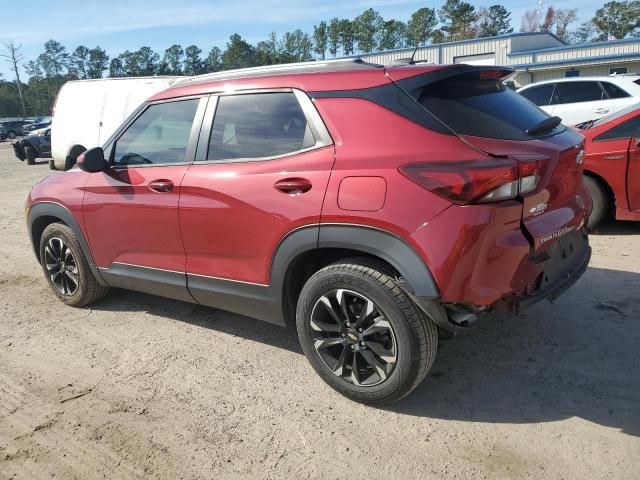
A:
x,y
159,135
576,92
614,91
630,128
258,125
470,105
541,95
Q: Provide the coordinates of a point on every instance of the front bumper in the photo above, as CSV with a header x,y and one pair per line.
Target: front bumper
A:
x,y
18,149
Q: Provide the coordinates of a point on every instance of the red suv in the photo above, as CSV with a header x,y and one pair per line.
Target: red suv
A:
x,y
374,208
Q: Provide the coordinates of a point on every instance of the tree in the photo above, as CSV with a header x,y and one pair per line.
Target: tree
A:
x,y
584,33
347,36
213,63
148,61
116,68
297,47
493,21
334,36
393,35
98,62
54,60
618,19
14,57
193,64
367,29
172,61
269,52
34,69
421,25
549,20
320,39
78,61
563,19
458,17
239,54
530,21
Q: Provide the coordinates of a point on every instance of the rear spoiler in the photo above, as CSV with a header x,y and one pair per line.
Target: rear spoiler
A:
x,y
418,81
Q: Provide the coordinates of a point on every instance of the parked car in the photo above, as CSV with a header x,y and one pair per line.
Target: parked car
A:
x,y
11,129
35,145
87,112
612,165
373,208
36,125
580,99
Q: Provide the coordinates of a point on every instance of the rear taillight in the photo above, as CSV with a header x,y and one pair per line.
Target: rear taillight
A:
x,y
478,181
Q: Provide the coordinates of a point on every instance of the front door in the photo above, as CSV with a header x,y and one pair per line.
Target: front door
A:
x,y
261,172
131,209
633,177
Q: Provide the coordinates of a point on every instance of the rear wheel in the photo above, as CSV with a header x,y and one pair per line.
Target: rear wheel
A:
x,y
30,153
362,334
66,268
600,202
11,134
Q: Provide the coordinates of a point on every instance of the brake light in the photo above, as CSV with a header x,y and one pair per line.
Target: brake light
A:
x,y
478,181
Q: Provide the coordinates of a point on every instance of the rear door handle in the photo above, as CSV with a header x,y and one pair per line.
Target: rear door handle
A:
x,y
161,186
293,186
601,110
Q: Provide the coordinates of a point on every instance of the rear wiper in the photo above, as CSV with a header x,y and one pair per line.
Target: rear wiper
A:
x,y
544,126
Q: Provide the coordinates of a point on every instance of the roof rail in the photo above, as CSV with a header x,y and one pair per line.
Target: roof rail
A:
x,y
282,68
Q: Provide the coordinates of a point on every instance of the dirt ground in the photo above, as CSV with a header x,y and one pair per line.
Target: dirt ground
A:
x,y
140,386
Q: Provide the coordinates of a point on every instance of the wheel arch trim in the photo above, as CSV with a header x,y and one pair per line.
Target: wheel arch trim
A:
x,y
56,210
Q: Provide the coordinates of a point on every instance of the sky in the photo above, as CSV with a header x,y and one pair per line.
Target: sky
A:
x,y
118,25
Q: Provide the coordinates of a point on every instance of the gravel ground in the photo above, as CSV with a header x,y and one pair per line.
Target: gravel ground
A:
x,y
140,386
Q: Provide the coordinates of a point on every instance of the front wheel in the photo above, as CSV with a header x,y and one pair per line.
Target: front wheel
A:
x,y
66,268
30,153
362,334
12,135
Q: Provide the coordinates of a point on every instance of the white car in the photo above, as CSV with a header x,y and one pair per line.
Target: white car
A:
x,y
579,99
87,112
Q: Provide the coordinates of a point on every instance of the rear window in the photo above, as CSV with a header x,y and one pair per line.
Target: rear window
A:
x,y
470,105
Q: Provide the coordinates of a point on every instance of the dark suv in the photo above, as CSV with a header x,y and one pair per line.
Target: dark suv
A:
x,y
373,208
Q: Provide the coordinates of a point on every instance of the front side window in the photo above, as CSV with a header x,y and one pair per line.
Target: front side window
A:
x,y
628,129
576,92
160,135
253,126
541,95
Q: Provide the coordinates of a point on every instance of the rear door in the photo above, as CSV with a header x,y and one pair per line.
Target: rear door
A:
x,y
576,102
261,171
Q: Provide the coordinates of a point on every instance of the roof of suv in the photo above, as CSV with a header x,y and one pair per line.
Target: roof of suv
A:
x,y
626,80
309,76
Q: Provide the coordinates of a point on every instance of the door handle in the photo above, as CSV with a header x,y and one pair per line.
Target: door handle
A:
x,y
293,186
161,186
601,110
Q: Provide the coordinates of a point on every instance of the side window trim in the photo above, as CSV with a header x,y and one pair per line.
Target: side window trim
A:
x,y
620,125
314,120
193,135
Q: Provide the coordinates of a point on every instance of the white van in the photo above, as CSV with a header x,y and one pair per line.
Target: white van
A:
x,y
87,112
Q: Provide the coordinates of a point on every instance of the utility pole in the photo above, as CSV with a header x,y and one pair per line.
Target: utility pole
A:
x,y
14,57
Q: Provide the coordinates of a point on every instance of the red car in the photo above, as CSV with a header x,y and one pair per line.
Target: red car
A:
x,y
373,208
612,165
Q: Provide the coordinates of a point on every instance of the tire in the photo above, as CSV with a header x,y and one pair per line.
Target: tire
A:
x,y
52,164
12,135
600,203
56,243
407,341
31,155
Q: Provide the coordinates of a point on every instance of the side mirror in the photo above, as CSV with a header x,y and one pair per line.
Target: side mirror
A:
x,y
637,141
92,161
